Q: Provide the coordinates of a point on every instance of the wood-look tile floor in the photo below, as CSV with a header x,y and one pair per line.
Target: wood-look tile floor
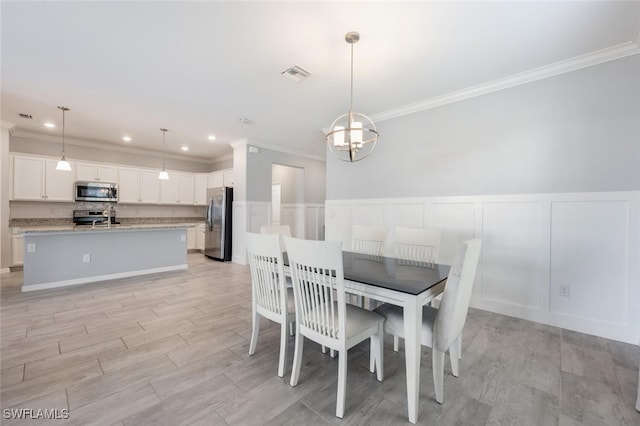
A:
x,y
172,349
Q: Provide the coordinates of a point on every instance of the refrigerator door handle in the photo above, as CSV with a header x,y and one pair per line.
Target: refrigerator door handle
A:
x,y
210,216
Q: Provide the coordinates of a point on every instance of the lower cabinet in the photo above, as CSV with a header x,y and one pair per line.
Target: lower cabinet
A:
x,y
200,237
17,249
191,238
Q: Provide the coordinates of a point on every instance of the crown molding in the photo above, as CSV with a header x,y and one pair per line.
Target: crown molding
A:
x,y
7,125
108,147
562,67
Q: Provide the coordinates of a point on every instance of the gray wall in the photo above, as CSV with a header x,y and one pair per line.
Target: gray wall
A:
x,y
259,175
574,132
291,180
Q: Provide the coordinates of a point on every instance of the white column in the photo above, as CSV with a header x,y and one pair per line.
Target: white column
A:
x,y
5,179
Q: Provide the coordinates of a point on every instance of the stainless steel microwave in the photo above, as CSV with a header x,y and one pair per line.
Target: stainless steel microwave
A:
x,y
96,191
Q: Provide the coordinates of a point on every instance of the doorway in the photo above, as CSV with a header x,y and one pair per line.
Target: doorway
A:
x,y
287,198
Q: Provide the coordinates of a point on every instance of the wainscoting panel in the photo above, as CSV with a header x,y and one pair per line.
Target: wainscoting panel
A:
x,y
294,216
533,244
589,247
338,223
314,221
408,215
457,223
510,247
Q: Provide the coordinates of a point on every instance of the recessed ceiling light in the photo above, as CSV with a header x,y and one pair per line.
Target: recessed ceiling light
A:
x,y
184,148
126,138
211,138
49,125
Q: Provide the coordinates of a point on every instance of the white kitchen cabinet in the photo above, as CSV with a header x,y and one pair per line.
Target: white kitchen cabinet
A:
x,y
215,180
185,189
200,236
96,172
149,187
228,178
17,249
200,189
177,190
36,179
138,186
191,238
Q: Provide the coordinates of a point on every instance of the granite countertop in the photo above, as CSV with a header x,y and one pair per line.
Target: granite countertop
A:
x,y
58,225
103,228
127,221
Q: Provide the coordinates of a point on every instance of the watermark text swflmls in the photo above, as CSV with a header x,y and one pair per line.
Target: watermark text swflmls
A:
x,y
35,413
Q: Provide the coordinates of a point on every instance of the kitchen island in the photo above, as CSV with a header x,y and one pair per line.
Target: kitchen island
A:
x,y
85,254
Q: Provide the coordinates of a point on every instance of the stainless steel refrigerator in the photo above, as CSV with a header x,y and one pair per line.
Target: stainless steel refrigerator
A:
x,y
217,240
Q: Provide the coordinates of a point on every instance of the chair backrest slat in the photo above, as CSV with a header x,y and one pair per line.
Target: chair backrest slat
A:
x,y
417,245
368,240
318,286
267,273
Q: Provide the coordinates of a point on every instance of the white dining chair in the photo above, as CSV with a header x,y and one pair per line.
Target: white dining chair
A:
x,y
368,239
322,314
270,297
282,230
416,245
442,327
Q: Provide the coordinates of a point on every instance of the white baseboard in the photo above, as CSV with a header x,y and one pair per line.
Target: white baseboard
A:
x,y
79,281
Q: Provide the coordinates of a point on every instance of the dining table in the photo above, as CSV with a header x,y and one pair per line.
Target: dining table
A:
x,y
409,284
405,283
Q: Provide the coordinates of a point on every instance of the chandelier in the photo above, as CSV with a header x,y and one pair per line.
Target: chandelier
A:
x,y
353,135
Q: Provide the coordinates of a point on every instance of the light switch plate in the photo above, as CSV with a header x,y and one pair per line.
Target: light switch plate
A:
x,y
31,248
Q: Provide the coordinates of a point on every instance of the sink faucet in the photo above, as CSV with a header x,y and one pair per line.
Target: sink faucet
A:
x,y
111,209
93,224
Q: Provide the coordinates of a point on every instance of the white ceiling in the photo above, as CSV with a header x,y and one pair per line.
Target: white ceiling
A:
x,y
197,67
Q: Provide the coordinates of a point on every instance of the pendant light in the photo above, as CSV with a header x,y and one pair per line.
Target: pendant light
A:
x,y
163,175
353,135
63,164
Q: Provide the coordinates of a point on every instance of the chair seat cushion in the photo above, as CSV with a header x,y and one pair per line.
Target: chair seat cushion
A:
x,y
358,319
394,321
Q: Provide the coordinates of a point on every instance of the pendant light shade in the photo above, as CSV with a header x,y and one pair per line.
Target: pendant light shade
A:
x,y
353,135
163,175
63,164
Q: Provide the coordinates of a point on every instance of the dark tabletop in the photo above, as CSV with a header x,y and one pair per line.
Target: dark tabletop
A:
x,y
390,273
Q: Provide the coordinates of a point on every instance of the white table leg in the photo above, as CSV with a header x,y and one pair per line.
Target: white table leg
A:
x,y
412,333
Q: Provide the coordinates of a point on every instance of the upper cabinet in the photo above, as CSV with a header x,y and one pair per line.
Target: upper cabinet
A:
x,y
215,180
228,178
96,172
179,189
200,189
138,186
36,179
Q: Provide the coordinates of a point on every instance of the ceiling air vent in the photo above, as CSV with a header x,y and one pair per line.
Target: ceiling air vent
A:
x,y
27,116
295,73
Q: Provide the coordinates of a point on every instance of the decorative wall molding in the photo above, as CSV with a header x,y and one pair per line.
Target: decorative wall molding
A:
x,y
533,245
594,58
